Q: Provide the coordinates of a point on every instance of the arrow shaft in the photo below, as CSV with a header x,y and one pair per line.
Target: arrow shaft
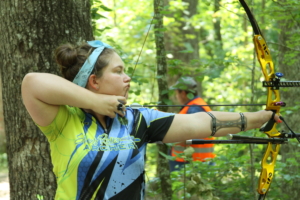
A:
x,y
136,105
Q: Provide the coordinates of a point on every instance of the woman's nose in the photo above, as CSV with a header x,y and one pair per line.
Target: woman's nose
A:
x,y
127,78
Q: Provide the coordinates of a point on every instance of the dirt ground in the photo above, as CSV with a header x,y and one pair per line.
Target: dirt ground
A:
x,y
4,186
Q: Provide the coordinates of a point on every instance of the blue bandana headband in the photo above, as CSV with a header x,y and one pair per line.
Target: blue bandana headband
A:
x,y
88,66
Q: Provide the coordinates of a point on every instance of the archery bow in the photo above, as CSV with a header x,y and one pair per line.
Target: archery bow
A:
x,y
272,82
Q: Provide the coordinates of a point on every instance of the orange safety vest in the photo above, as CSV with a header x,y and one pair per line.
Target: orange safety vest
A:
x,y
202,151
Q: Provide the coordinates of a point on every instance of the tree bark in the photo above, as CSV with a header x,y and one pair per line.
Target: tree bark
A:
x,y
30,31
162,162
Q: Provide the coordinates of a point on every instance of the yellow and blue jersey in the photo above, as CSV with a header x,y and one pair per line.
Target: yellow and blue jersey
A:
x,y
93,163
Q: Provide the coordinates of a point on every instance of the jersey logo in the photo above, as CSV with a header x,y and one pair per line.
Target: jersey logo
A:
x,y
105,143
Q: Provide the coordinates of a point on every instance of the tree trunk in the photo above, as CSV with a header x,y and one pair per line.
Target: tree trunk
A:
x,y
289,65
162,162
182,42
217,28
33,29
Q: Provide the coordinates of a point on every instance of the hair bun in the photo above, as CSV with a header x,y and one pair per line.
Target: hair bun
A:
x,y
66,55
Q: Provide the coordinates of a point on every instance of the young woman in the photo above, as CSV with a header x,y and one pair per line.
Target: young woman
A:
x,y
97,145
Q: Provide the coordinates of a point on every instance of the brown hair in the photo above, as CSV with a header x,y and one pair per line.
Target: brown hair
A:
x,y
71,58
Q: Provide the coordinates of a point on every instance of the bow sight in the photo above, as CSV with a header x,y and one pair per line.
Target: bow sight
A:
x,y
275,83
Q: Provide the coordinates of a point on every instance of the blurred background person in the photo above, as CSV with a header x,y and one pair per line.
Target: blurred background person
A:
x,y
186,94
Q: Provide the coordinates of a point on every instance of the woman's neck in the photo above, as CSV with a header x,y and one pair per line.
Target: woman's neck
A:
x,y
100,118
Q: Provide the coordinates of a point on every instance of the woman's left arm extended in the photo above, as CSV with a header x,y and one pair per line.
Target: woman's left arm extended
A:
x,y
202,125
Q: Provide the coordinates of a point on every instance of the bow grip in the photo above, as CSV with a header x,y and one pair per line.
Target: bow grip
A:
x,y
270,124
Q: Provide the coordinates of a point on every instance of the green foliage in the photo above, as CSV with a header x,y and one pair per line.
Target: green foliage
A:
x,y
96,8
39,197
229,178
3,161
126,24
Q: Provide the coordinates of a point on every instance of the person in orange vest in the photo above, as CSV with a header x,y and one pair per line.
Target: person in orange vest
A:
x,y
185,88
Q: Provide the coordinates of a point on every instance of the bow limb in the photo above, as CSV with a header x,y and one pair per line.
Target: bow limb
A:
x,y
273,103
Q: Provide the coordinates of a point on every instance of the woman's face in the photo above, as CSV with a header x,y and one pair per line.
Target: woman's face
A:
x,y
114,81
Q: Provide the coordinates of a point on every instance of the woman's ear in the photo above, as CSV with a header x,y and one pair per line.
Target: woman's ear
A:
x,y
93,82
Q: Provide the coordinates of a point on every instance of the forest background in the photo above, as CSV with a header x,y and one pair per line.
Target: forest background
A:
x,y
211,41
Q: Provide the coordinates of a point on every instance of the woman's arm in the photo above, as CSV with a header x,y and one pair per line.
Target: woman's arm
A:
x,y
43,93
198,125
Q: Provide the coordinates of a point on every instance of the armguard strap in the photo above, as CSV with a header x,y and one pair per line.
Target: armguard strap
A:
x,y
213,124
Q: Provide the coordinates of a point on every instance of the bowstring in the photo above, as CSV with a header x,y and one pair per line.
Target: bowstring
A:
x,y
142,46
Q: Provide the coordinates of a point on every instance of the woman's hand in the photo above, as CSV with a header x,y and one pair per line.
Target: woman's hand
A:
x,y
268,120
109,105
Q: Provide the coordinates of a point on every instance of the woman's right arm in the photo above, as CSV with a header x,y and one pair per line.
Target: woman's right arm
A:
x,y
43,93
